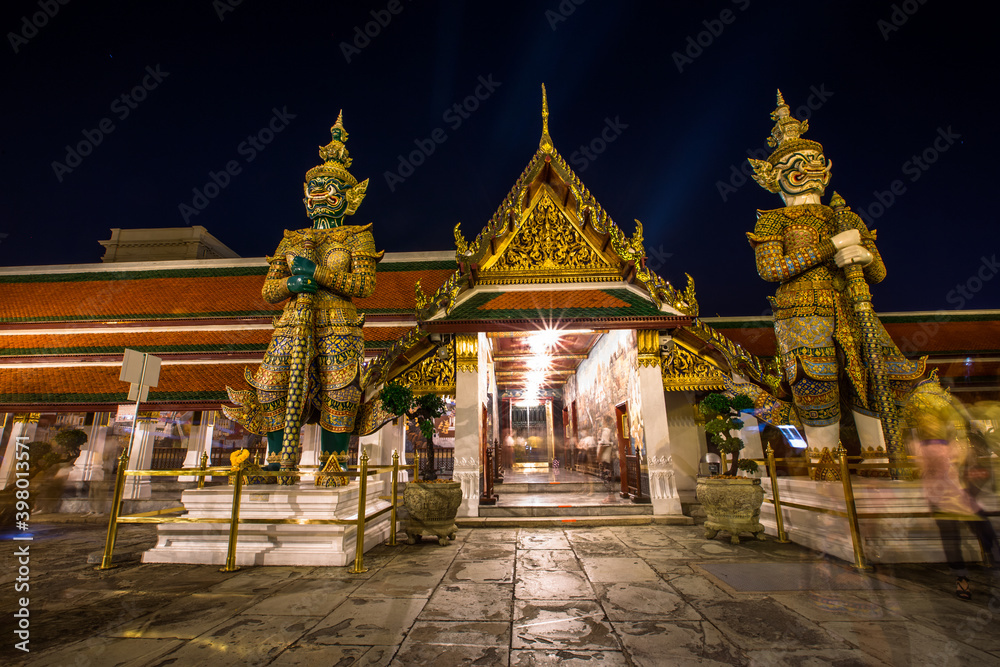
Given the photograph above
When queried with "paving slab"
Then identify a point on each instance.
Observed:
(243, 640)
(607, 570)
(567, 624)
(568, 658)
(309, 655)
(366, 621)
(658, 643)
(461, 602)
(480, 572)
(642, 601)
(552, 585)
(455, 643)
(542, 559)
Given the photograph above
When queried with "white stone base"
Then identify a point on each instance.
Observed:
(889, 540)
(272, 544)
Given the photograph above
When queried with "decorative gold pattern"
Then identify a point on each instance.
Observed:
(461, 247)
(466, 353)
(648, 342)
(420, 298)
(432, 375)
(546, 242)
(683, 370)
(27, 417)
(823, 468)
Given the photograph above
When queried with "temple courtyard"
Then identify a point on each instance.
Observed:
(550, 594)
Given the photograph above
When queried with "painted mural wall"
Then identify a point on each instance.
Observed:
(607, 378)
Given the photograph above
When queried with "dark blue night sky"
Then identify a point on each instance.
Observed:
(674, 94)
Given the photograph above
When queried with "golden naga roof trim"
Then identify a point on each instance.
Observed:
(762, 372)
(578, 204)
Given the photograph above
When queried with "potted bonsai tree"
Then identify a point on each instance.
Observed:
(432, 504)
(731, 503)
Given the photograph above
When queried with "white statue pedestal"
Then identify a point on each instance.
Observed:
(272, 543)
(894, 539)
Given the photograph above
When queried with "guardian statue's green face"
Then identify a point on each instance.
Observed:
(326, 201)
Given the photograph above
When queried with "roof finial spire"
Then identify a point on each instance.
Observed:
(545, 143)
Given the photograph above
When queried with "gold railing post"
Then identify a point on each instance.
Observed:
(116, 502)
(782, 535)
(392, 512)
(852, 510)
(204, 467)
(234, 525)
(359, 550)
(416, 465)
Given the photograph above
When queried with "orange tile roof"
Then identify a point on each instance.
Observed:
(112, 342)
(519, 300)
(100, 384)
(181, 293)
(162, 342)
(923, 335)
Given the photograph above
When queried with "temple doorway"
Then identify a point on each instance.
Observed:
(562, 429)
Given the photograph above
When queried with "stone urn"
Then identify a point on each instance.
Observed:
(432, 507)
(731, 504)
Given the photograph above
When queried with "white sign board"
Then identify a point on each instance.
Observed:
(133, 392)
(140, 368)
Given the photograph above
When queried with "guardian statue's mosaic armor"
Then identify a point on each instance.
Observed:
(822, 312)
(314, 360)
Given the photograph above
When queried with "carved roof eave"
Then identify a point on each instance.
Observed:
(597, 225)
(409, 350)
(731, 357)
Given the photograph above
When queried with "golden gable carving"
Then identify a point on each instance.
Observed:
(548, 244)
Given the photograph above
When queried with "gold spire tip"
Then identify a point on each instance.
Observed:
(545, 143)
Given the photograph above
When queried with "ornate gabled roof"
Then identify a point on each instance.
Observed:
(551, 229)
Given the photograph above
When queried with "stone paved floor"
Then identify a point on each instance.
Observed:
(626, 595)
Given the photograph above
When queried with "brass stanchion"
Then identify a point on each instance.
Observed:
(852, 510)
(116, 503)
(204, 467)
(392, 512)
(234, 525)
(359, 552)
(782, 535)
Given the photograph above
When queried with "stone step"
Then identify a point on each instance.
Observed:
(695, 511)
(550, 487)
(507, 510)
(570, 521)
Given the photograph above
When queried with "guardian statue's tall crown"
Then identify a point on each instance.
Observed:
(336, 158)
(786, 133)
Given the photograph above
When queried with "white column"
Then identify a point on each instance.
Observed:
(659, 445)
(310, 443)
(89, 466)
(24, 429)
(468, 413)
(200, 441)
(687, 438)
(140, 458)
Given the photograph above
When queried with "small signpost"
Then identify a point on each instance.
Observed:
(143, 371)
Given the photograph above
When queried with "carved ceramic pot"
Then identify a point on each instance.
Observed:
(432, 508)
(731, 504)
